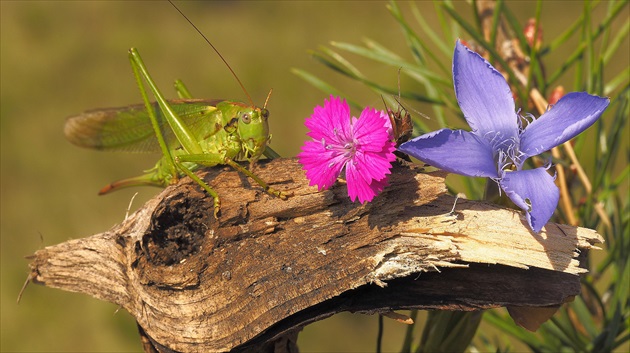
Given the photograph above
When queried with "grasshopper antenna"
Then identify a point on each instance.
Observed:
(215, 50)
(267, 100)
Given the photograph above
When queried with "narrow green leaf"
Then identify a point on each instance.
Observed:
(337, 65)
(338, 62)
(622, 285)
(565, 332)
(584, 317)
(379, 49)
(496, 20)
(621, 178)
(573, 58)
(591, 65)
(599, 75)
(449, 331)
(324, 86)
(477, 17)
(406, 347)
(533, 55)
(623, 78)
(564, 37)
(612, 328)
(613, 46)
(616, 133)
(599, 78)
(593, 294)
(506, 324)
(449, 29)
(566, 65)
(516, 27)
(424, 72)
(410, 36)
(621, 341)
(461, 331)
(438, 41)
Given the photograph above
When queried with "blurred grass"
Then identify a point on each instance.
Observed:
(60, 58)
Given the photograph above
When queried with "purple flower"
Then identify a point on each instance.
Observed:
(498, 145)
(364, 146)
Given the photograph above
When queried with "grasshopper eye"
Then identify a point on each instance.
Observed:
(264, 113)
(246, 118)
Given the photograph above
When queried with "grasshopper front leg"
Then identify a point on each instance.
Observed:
(210, 160)
(271, 191)
(138, 69)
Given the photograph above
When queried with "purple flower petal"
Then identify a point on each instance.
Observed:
(535, 192)
(484, 97)
(573, 113)
(455, 151)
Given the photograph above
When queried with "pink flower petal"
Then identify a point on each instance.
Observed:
(330, 122)
(378, 185)
(371, 130)
(357, 186)
(375, 166)
(322, 166)
(340, 113)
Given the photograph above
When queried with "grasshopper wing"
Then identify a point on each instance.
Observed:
(129, 128)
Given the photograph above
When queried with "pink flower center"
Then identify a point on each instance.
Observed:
(346, 146)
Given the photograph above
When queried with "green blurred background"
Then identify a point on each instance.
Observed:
(60, 58)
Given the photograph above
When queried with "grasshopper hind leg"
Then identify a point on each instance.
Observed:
(158, 176)
(184, 136)
(142, 180)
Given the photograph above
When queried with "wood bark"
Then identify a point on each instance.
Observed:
(251, 279)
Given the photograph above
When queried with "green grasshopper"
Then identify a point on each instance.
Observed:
(190, 133)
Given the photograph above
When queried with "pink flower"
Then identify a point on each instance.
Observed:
(364, 146)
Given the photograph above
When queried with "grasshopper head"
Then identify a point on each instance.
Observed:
(253, 130)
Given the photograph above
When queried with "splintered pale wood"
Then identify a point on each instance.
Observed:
(268, 266)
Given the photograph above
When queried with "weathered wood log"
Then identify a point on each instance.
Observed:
(267, 267)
